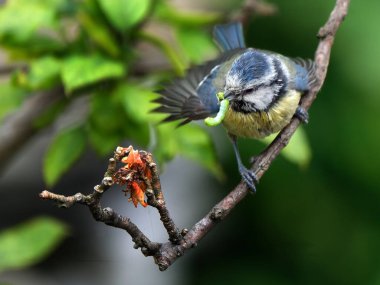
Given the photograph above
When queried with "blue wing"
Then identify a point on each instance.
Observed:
(207, 90)
(194, 96)
(305, 74)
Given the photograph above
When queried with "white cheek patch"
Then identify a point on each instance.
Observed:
(261, 98)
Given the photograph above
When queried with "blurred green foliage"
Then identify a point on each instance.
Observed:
(64, 150)
(91, 46)
(29, 242)
(11, 98)
(298, 150)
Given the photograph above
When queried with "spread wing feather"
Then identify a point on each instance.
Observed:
(181, 100)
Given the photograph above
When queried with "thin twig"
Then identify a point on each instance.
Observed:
(7, 69)
(140, 167)
(106, 215)
(156, 199)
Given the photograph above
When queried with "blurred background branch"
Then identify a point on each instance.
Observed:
(18, 128)
(252, 8)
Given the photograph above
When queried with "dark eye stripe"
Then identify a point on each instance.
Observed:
(279, 82)
(280, 79)
(250, 90)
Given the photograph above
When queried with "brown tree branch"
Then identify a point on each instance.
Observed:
(19, 127)
(7, 69)
(155, 197)
(106, 215)
(146, 173)
(251, 8)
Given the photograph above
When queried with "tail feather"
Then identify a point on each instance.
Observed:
(229, 36)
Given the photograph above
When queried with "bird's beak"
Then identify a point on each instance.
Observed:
(228, 95)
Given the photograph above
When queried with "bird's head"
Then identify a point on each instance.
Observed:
(253, 82)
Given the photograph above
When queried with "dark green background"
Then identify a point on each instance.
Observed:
(320, 225)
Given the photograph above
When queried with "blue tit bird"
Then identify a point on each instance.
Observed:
(263, 89)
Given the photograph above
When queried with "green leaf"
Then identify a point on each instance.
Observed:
(196, 144)
(21, 20)
(103, 143)
(190, 141)
(49, 114)
(190, 39)
(109, 124)
(44, 73)
(137, 102)
(65, 149)
(104, 126)
(166, 147)
(106, 113)
(30, 25)
(167, 49)
(54, 5)
(138, 133)
(11, 97)
(123, 14)
(169, 14)
(29, 242)
(79, 71)
(99, 33)
(298, 150)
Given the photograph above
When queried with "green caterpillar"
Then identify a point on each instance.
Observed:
(224, 104)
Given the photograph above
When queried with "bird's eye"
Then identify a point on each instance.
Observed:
(249, 90)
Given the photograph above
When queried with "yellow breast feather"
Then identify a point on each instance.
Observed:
(261, 124)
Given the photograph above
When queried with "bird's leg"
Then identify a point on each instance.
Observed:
(248, 176)
(302, 114)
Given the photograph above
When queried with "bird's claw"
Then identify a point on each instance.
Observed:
(249, 178)
(302, 114)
